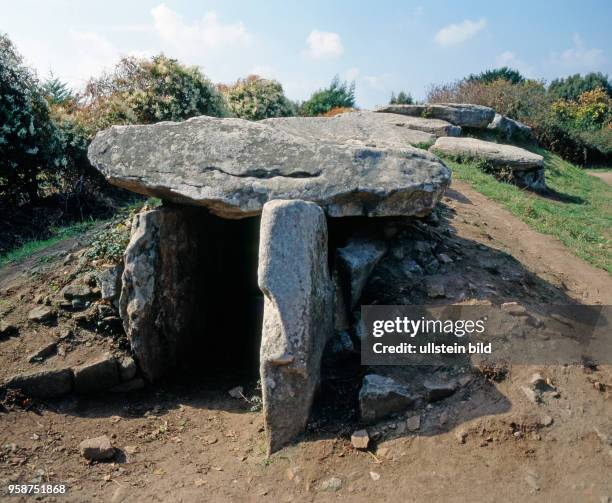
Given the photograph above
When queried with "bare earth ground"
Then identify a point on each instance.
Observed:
(606, 176)
(189, 441)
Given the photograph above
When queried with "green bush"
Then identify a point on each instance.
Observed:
(337, 95)
(30, 142)
(572, 87)
(145, 91)
(503, 73)
(255, 98)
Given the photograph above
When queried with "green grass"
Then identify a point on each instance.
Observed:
(578, 213)
(58, 234)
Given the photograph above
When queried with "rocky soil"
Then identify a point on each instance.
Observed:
(515, 433)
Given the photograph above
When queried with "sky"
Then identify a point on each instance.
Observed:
(382, 45)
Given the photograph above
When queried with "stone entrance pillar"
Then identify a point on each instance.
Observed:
(294, 276)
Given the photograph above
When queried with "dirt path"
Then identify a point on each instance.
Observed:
(606, 176)
(544, 255)
(188, 441)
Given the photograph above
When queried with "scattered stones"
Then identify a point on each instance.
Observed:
(444, 258)
(98, 375)
(43, 352)
(360, 439)
(331, 484)
(464, 115)
(531, 394)
(375, 476)
(41, 314)
(234, 166)
(43, 384)
(97, 449)
(79, 292)
(381, 396)
(461, 435)
(355, 264)
(298, 319)
(7, 329)
(514, 308)
(236, 392)
(127, 368)
(109, 282)
(437, 390)
(413, 423)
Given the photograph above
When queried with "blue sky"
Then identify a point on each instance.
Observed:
(383, 45)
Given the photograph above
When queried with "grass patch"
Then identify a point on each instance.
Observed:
(578, 212)
(58, 234)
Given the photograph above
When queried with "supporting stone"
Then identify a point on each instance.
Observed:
(158, 291)
(294, 277)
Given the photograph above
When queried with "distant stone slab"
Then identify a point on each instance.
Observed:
(459, 114)
(233, 167)
(367, 128)
(507, 155)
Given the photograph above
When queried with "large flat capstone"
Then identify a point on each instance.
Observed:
(459, 114)
(233, 167)
(294, 277)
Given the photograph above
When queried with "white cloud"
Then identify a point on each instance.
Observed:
(579, 56)
(93, 55)
(455, 34)
(198, 37)
(323, 45)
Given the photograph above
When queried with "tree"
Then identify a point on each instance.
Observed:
(572, 87)
(56, 92)
(145, 91)
(30, 142)
(401, 99)
(255, 98)
(337, 95)
(503, 73)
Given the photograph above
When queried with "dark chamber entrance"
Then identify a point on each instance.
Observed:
(224, 333)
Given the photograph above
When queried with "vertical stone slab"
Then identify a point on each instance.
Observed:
(294, 276)
(157, 287)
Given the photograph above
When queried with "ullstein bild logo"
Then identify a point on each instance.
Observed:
(465, 334)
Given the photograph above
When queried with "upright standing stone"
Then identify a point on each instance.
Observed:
(294, 277)
(158, 288)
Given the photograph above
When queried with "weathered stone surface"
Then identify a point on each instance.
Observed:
(355, 262)
(98, 375)
(7, 329)
(438, 390)
(380, 396)
(360, 439)
(41, 314)
(459, 114)
(157, 288)
(97, 449)
(234, 167)
(127, 368)
(78, 291)
(504, 155)
(43, 384)
(43, 352)
(293, 275)
(109, 281)
(129, 386)
(356, 128)
(510, 129)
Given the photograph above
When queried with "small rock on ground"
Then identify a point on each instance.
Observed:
(360, 439)
(97, 449)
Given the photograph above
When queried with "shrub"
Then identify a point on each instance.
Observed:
(255, 98)
(146, 91)
(337, 95)
(57, 92)
(30, 143)
(572, 87)
(402, 98)
(503, 73)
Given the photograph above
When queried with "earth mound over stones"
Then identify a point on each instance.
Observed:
(233, 167)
